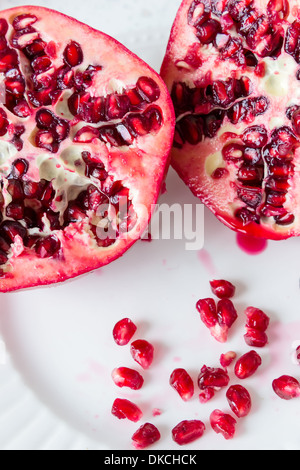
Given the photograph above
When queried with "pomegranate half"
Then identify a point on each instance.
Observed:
(86, 129)
(233, 70)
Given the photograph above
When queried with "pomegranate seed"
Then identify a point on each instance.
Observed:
(3, 27)
(47, 247)
(286, 387)
(73, 54)
(210, 377)
(182, 382)
(142, 352)
(15, 210)
(219, 173)
(125, 377)
(148, 89)
(145, 436)
(207, 31)
(227, 359)
(298, 354)
(11, 229)
(123, 409)
(19, 168)
(123, 331)
(226, 313)
(206, 395)
(239, 400)
(186, 432)
(256, 319)
(256, 338)
(222, 289)
(23, 21)
(255, 136)
(247, 365)
(223, 423)
(208, 311)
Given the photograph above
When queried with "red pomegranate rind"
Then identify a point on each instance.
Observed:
(239, 400)
(236, 143)
(145, 436)
(188, 431)
(223, 423)
(182, 382)
(125, 409)
(123, 331)
(93, 126)
(286, 387)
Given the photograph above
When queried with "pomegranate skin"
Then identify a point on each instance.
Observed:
(58, 88)
(229, 148)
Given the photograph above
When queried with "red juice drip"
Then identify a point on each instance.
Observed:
(251, 245)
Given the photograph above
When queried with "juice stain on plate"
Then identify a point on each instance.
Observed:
(251, 245)
(207, 261)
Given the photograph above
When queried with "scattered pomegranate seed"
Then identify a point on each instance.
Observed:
(145, 436)
(214, 378)
(247, 365)
(227, 359)
(298, 354)
(206, 395)
(142, 352)
(223, 423)
(286, 387)
(123, 409)
(222, 288)
(182, 382)
(256, 319)
(256, 338)
(186, 432)
(125, 377)
(208, 311)
(218, 318)
(123, 331)
(239, 400)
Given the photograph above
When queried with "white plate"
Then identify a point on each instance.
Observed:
(55, 378)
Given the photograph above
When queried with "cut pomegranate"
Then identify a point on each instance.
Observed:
(123, 409)
(142, 352)
(126, 377)
(223, 423)
(222, 289)
(237, 133)
(286, 387)
(123, 331)
(218, 318)
(186, 431)
(85, 147)
(145, 436)
(247, 365)
(182, 382)
(239, 400)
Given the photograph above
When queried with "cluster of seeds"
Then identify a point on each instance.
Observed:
(218, 318)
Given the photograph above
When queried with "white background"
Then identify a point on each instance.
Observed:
(56, 389)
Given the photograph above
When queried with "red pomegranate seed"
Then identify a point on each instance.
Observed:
(239, 400)
(208, 311)
(286, 387)
(19, 168)
(256, 319)
(73, 54)
(256, 338)
(148, 89)
(145, 436)
(226, 313)
(215, 378)
(123, 331)
(182, 382)
(24, 21)
(222, 288)
(227, 359)
(206, 395)
(247, 365)
(47, 247)
(123, 409)
(186, 431)
(223, 423)
(126, 377)
(298, 354)
(142, 352)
